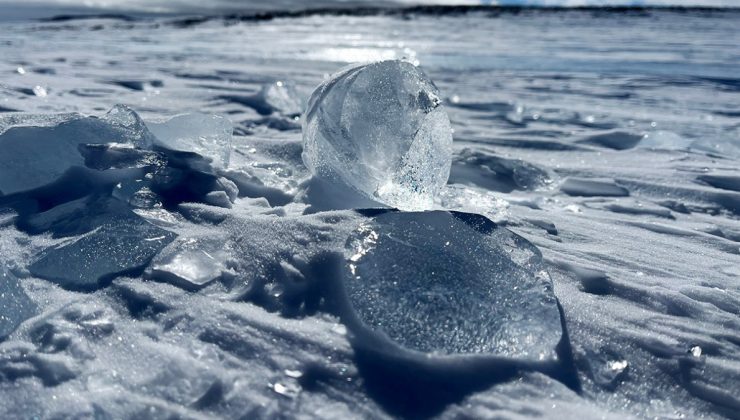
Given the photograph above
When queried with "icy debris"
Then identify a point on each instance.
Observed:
(452, 283)
(278, 99)
(695, 351)
(15, 305)
(218, 198)
(617, 140)
(496, 173)
(124, 243)
(592, 188)
(190, 263)
(381, 129)
(281, 97)
(35, 120)
(201, 213)
(35, 156)
(206, 135)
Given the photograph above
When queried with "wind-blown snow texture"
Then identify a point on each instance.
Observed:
(145, 280)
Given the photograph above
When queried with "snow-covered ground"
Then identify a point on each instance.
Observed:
(146, 281)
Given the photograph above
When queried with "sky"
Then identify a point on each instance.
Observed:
(22, 9)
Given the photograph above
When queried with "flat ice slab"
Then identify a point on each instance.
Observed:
(15, 305)
(451, 283)
(119, 245)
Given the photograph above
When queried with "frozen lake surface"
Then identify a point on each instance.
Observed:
(605, 146)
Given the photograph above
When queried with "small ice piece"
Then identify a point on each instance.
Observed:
(206, 135)
(695, 351)
(381, 129)
(15, 305)
(123, 244)
(218, 199)
(190, 263)
(35, 156)
(449, 283)
(281, 97)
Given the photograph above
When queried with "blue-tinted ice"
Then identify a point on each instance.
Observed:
(121, 244)
(449, 283)
(33, 156)
(15, 305)
(204, 134)
(381, 129)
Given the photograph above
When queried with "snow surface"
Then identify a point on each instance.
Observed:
(142, 280)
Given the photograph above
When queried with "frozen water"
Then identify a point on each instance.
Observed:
(33, 156)
(381, 129)
(124, 243)
(281, 97)
(15, 305)
(642, 278)
(190, 263)
(207, 135)
(450, 283)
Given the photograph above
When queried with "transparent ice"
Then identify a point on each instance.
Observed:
(449, 283)
(15, 305)
(33, 156)
(206, 135)
(122, 243)
(381, 129)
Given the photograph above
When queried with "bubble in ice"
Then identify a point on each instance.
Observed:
(381, 129)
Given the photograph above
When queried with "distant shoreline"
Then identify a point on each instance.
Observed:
(187, 19)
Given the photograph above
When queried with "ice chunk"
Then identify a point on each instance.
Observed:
(206, 135)
(190, 263)
(281, 97)
(15, 305)
(474, 167)
(124, 243)
(381, 129)
(273, 98)
(33, 156)
(452, 283)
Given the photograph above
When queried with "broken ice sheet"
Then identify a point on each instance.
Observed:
(206, 135)
(15, 305)
(190, 263)
(33, 156)
(123, 243)
(452, 283)
(381, 129)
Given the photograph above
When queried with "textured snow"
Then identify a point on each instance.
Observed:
(554, 113)
(381, 129)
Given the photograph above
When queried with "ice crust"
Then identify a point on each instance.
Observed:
(452, 283)
(381, 129)
(15, 305)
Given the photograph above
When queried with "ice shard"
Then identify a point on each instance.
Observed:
(15, 305)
